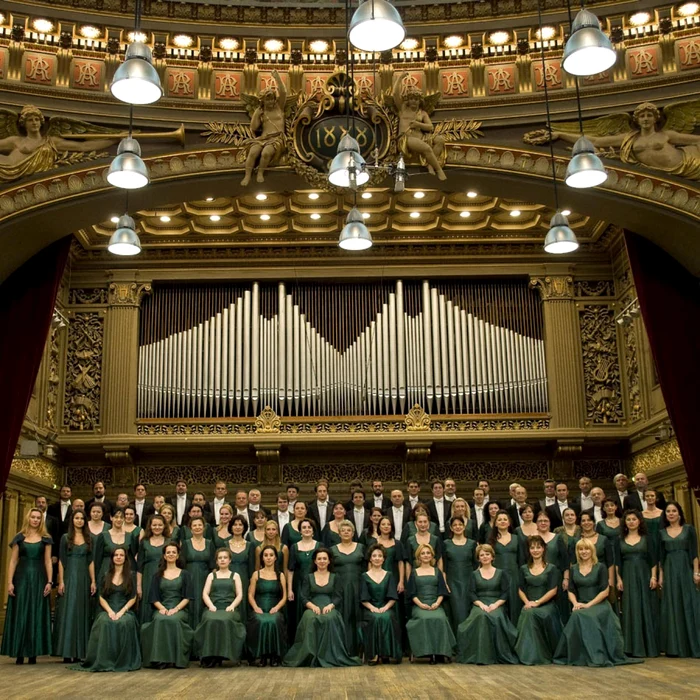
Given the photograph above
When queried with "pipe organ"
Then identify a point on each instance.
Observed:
(324, 349)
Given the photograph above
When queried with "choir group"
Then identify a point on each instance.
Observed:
(588, 581)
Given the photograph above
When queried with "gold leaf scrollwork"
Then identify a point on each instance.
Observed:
(40, 468)
(127, 293)
(268, 421)
(554, 288)
(417, 420)
(657, 456)
(527, 470)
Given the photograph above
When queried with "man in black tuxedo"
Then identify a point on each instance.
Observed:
(355, 484)
(583, 500)
(550, 494)
(320, 510)
(414, 497)
(62, 509)
(378, 499)
(520, 500)
(199, 499)
(282, 516)
(214, 506)
(597, 512)
(358, 515)
(98, 490)
(398, 513)
(556, 511)
(478, 508)
(636, 499)
(255, 503)
(439, 508)
(180, 501)
(142, 507)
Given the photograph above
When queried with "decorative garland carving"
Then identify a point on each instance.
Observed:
(92, 296)
(527, 470)
(554, 288)
(657, 456)
(417, 420)
(81, 404)
(168, 475)
(267, 422)
(40, 468)
(127, 293)
(601, 368)
(341, 473)
(195, 429)
(598, 469)
(600, 288)
(499, 424)
(77, 476)
(53, 377)
(634, 388)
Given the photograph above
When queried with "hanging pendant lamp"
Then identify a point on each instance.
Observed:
(585, 169)
(347, 168)
(128, 170)
(588, 50)
(125, 240)
(136, 81)
(376, 26)
(560, 238)
(355, 235)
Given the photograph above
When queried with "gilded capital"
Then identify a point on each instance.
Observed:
(127, 293)
(554, 288)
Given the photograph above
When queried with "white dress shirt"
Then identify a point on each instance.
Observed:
(65, 505)
(359, 518)
(283, 518)
(413, 501)
(479, 514)
(441, 512)
(563, 505)
(217, 508)
(290, 507)
(322, 513)
(586, 503)
(180, 503)
(598, 514)
(398, 520)
(450, 499)
(138, 507)
(378, 501)
(549, 501)
(245, 514)
(486, 499)
(622, 495)
(255, 507)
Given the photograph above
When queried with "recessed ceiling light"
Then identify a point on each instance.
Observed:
(314, 195)
(366, 195)
(215, 217)
(136, 36)
(319, 46)
(165, 219)
(499, 38)
(419, 194)
(639, 19)
(514, 212)
(453, 42)
(315, 217)
(409, 45)
(566, 212)
(115, 219)
(546, 33)
(415, 215)
(465, 214)
(688, 9)
(366, 215)
(209, 199)
(273, 45)
(183, 41)
(228, 44)
(43, 26)
(265, 217)
(2, 18)
(261, 197)
(88, 31)
(471, 194)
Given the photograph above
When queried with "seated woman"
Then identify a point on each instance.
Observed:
(429, 631)
(220, 635)
(114, 638)
(592, 636)
(487, 636)
(320, 636)
(166, 640)
(539, 624)
(267, 595)
(381, 630)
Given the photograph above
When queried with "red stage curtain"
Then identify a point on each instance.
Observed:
(27, 300)
(669, 298)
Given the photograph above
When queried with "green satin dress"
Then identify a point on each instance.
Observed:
(654, 535)
(508, 558)
(28, 618)
(320, 639)
(220, 634)
(349, 568)
(429, 631)
(680, 600)
(199, 564)
(221, 542)
(329, 538)
(186, 534)
(267, 634)
(410, 529)
(613, 534)
(539, 629)
(640, 605)
(167, 639)
(104, 547)
(592, 636)
(487, 638)
(242, 563)
(459, 568)
(381, 632)
(290, 536)
(114, 644)
(412, 544)
(147, 565)
(300, 563)
(71, 629)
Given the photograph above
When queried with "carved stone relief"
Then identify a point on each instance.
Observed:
(341, 473)
(88, 296)
(598, 469)
(496, 471)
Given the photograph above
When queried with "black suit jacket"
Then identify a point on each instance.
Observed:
(351, 517)
(472, 512)
(634, 501)
(386, 503)
(512, 510)
(53, 528)
(108, 508)
(148, 510)
(172, 500)
(54, 510)
(312, 510)
(389, 512)
(555, 519)
(433, 511)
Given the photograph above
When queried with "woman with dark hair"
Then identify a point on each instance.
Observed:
(411, 527)
(370, 535)
(422, 536)
(222, 534)
(381, 630)
(540, 625)
(678, 579)
(291, 534)
(267, 595)
(272, 539)
(492, 510)
(507, 556)
(28, 618)
(557, 553)
(429, 631)
(320, 637)
(256, 533)
(96, 525)
(166, 640)
(131, 527)
(242, 556)
(330, 535)
(611, 527)
(348, 563)
(114, 638)
(109, 540)
(300, 561)
(529, 527)
(653, 516)
(602, 545)
(570, 530)
(487, 636)
(195, 511)
(149, 556)
(220, 635)
(76, 583)
(460, 509)
(637, 583)
(197, 556)
(458, 558)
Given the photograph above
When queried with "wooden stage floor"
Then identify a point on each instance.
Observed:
(656, 678)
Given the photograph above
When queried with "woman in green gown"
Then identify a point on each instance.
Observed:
(539, 625)
(291, 534)
(300, 561)
(460, 509)
(394, 563)
(429, 631)
(348, 563)
(611, 527)
(109, 540)
(131, 527)
(272, 538)
(370, 535)
(487, 636)
(166, 640)
(256, 533)
(320, 637)
(527, 529)
(220, 635)
(28, 616)
(267, 595)
(172, 529)
(653, 515)
(96, 525)
(458, 559)
(508, 557)
(197, 557)
(412, 527)
(638, 582)
(592, 636)
(557, 554)
(422, 536)
(242, 557)
(330, 535)
(570, 530)
(222, 534)
(492, 510)
(381, 629)
(195, 511)
(603, 546)
(149, 556)
(678, 580)
(76, 583)
(114, 638)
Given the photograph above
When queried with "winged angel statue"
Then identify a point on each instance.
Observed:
(28, 151)
(660, 140)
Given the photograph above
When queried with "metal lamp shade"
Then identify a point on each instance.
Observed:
(585, 169)
(125, 240)
(128, 170)
(588, 51)
(560, 238)
(355, 235)
(136, 81)
(347, 158)
(376, 26)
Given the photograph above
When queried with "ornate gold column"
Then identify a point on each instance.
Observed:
(562, 350)
(120, 361)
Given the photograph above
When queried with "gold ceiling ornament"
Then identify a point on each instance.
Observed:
(656, 139)
(267, 422)
(417, 420)
(657, 456)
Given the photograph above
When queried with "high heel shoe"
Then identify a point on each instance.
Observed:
(32, 660)
(20, 660)
(274, 661)
(373, 662)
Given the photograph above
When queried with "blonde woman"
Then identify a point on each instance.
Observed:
(592, 636)
(272, 539)
(222, 534)
(173, 529)
(460, 509)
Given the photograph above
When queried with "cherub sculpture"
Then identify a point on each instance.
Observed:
(268, 113)
(416, 137)
(35, 152)
(656, 140)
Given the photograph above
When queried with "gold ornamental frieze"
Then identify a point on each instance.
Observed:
(657, 456)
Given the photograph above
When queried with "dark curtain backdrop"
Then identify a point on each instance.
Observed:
(27, 300)
(669, 298)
